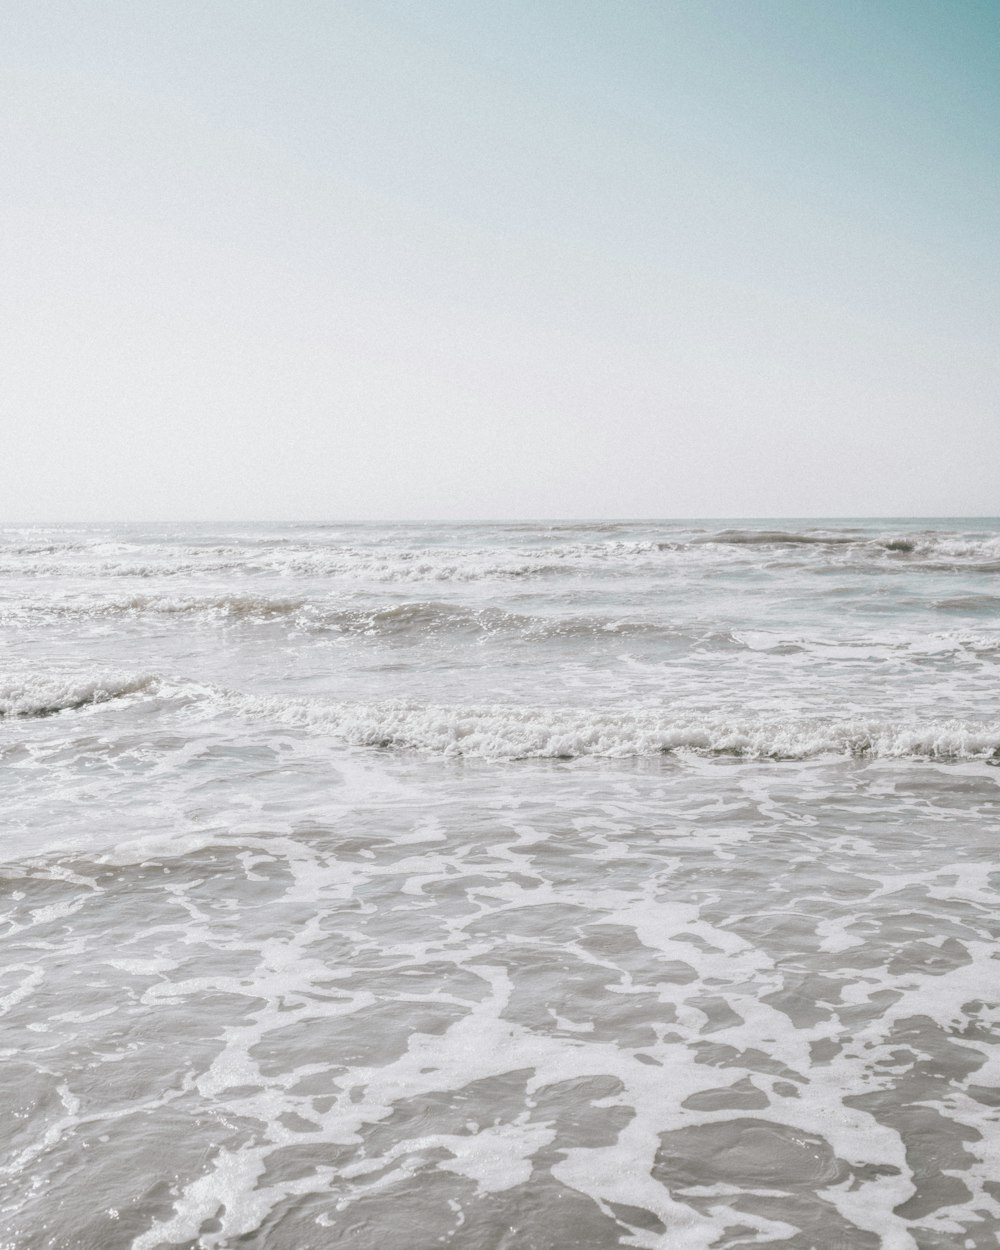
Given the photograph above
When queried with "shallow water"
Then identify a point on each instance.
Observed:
(500, 886)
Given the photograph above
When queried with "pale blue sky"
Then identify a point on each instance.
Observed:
(454, 259)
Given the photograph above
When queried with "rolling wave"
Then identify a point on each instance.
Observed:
(509, 732)
(775, 538)
(48, 695)
(415, 619)
(515, 733)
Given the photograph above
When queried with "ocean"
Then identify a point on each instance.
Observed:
(514, 886)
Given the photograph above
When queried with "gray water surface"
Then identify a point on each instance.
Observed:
(527, 886)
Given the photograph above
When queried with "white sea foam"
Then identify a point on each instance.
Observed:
(509, 732)
(514, 731)
(310, 914)
(45, 695)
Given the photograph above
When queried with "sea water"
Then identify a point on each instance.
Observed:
(523, 886)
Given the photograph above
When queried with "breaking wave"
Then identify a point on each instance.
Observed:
(511, 732)
(495, 732)
(45, 696)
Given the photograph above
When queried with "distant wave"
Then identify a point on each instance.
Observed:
(47, 695)
(375, 563)
(503, 732)
(954, 546)
(775, 538)
(379, 562)
(41, 549)
(860, 552)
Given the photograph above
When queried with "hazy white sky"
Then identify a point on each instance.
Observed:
(315, 259)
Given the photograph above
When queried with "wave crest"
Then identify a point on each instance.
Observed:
(45, 696)
(494, 732)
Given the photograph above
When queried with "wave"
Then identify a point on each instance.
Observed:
(42, 549)
(45, 696)
(416, 619)
(925, 546)
(969, 603)
(834, 549)
(245, 607)
(420, 621)
(888, 645)
(505, 732)
(375, 562)
(459, 564)
(775, 538)
(210, 607)
(514, 733)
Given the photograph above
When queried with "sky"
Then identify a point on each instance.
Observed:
(442, 259)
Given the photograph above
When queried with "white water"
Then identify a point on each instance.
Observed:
(525, 886)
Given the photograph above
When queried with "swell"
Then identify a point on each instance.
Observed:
(413, 622)
(415, 619)
(985, 603)
(775, 538)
